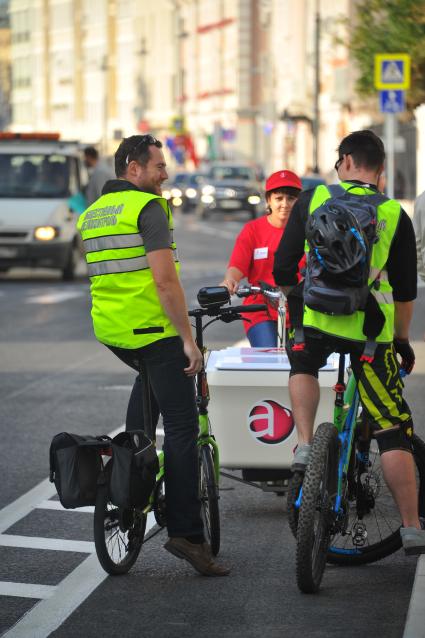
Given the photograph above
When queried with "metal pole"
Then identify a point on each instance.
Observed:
(104, 69)
(316, 116)
(389, 147)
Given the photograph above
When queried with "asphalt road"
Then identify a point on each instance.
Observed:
(54, 377)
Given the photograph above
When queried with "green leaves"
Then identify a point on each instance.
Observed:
(389, 26)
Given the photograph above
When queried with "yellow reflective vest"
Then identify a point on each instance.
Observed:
(351, 326)
(126, 309)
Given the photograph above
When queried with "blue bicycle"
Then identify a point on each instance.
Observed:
(341, 510)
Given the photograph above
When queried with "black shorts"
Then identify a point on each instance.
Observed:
(380, 385)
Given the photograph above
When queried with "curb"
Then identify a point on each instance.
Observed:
(415, 622)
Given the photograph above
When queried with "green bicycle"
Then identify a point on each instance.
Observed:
(120, 533)
(342, 511)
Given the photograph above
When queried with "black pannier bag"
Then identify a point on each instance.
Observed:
(75, 465)
(134, 469)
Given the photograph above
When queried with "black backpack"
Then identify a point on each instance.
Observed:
(75, 465)
(133, 469)
(341, 233)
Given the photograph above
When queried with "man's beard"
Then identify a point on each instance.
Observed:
(151, 190)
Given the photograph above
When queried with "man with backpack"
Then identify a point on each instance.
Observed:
(357, 298)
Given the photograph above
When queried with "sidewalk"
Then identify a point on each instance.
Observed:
(415, 623)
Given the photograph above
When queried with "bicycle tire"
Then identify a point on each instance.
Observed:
(118, 534)
(294, 487)
(342, 550)
(315, 520)
(209, 495)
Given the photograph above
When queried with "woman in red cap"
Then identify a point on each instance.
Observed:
(253, 254)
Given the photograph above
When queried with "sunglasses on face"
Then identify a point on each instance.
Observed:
(145, 140)
(339, 161)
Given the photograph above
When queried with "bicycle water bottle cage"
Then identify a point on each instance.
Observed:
(213, 296)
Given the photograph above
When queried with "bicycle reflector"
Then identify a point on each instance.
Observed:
(213, 296)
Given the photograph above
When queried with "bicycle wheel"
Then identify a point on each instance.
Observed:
(315, 515)
(208, 492)
(377, 533)
(294, 487)
(118, 534)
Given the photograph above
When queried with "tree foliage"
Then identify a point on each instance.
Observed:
(389, 26)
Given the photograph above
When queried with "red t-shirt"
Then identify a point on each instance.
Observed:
(253, 254)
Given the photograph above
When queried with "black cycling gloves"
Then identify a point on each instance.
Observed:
(405, 350)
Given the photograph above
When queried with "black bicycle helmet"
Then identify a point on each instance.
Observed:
(336, 238)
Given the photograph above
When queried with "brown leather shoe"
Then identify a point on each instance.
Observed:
(198, 555)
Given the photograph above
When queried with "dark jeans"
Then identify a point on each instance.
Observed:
(173, 395)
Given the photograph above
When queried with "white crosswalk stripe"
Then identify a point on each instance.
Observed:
(55, 296)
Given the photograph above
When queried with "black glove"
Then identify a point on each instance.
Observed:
(405, 350)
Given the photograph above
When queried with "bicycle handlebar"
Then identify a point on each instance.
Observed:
(268, 291)
(221, 311)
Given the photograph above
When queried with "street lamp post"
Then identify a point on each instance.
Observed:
(316, 112)
(104, 69)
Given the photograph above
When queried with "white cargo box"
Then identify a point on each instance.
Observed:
(250, 410)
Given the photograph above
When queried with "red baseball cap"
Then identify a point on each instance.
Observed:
(282, 179)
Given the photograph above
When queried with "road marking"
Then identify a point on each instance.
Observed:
(57, 505)
(42, 380)
(127, 388)
(55, 297)
(25, 590)
(55, 544)
(415, 623)
(213, 230)
(56, 602)
(72, 591)
(20, 508)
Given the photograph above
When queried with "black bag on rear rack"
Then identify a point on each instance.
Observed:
(134, 469)
(75, 465)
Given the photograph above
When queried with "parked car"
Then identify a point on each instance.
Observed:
(42, 181)
(183, 190)
(311, 181)
(229, 188)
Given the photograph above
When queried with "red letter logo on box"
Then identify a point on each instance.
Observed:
(270, 422)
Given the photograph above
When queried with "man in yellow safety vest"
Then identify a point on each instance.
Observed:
(392, 282)
(139, 312)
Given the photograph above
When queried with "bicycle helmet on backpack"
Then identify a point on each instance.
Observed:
(336, 238)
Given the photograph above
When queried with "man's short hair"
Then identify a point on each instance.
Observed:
(91, 151)
(135, 147)
(366, 149)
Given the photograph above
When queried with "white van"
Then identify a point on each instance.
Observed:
(42, 180)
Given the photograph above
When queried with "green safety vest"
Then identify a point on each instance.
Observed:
(126, 309)
(351, 326)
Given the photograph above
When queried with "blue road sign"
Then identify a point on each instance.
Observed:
(392, 71)
(391, 101)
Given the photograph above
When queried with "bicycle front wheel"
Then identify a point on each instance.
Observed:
(377, 533)
(316, 512)
(209, 495)
(294, 488)
(118, 534)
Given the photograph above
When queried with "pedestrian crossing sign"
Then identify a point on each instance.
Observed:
(392, 71)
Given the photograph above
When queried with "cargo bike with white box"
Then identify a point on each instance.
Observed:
(250, 407)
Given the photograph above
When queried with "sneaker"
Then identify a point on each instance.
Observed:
(413, 540)
(301, 457)
(198, 555)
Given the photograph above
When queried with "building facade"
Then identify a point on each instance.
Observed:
(269, 81)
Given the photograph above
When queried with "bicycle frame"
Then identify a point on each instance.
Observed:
(345, 413)
(202, 399)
